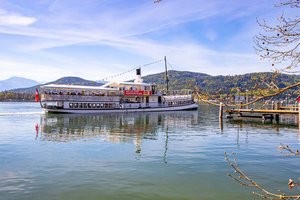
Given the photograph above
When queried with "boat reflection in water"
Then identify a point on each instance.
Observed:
(126, 127)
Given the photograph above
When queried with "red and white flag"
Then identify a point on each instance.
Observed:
(37, 95)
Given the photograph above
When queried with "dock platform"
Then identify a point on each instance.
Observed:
(260, 113)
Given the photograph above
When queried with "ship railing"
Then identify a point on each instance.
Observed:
(178, 97)
(178, 92)
(51, 97)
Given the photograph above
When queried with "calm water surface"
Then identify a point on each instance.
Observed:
(171, 155)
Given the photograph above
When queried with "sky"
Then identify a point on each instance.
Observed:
(99, 39)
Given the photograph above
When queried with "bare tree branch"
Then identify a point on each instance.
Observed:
(239, 176)
(280, 43)
(287, 148)
(271, 93)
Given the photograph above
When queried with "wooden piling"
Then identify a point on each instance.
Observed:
(221, 111)
(221, 116)
(277, 118)
(277, 105)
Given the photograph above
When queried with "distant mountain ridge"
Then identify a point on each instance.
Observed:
(222, 84)
(69, 80)
(17, 82)
(187, 80)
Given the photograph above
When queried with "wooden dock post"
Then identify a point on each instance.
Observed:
(277, 105)
(221, 116)
(277, 118)
(221, 125)
(221, 111)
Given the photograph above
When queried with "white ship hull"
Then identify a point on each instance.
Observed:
(114, 97)
(193, 106)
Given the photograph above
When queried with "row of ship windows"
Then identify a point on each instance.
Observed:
(175, 103)
(92, 105)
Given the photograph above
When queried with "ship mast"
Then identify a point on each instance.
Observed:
(166, 75)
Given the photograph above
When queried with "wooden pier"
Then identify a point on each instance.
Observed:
(258, 113)
(264, 114)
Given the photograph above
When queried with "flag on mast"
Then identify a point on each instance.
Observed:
(37, 95)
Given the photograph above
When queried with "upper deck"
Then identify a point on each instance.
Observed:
(54, 92)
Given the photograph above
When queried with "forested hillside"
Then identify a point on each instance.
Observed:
(223, 84)
(179, 80)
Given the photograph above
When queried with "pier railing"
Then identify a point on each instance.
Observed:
(272, 111)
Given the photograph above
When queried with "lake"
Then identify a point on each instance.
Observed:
(170, 155)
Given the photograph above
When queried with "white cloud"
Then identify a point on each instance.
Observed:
(66, 26)
(127, 30)
(194, 57)
(15, 19)
(28, 69)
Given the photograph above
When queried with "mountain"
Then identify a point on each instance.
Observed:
(16, 82)
(101, 82)
(219, 84)
(179, 80)
(70, 80)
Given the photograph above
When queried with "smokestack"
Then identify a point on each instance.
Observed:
(138, 71)
(138, 76)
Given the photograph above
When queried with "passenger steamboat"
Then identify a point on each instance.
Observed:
(127, 96)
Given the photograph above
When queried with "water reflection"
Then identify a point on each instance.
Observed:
(127, 127)
(258, 127)
(257, 123)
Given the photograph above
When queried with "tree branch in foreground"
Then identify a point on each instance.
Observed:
(291, 151)
(205, 98)
(239, 176)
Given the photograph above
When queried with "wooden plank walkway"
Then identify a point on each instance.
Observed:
(259, 111)
(265, 114)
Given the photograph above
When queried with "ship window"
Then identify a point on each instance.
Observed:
(105, 105)
(94, 105)
(98, 105)
(89, 105)
(85, 105)
(101, 105)
(75, 105)
(71, 105)
(81, 105)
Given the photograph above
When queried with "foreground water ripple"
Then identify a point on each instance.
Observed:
(171, 155)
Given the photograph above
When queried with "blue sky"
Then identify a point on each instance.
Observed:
(93, 39)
